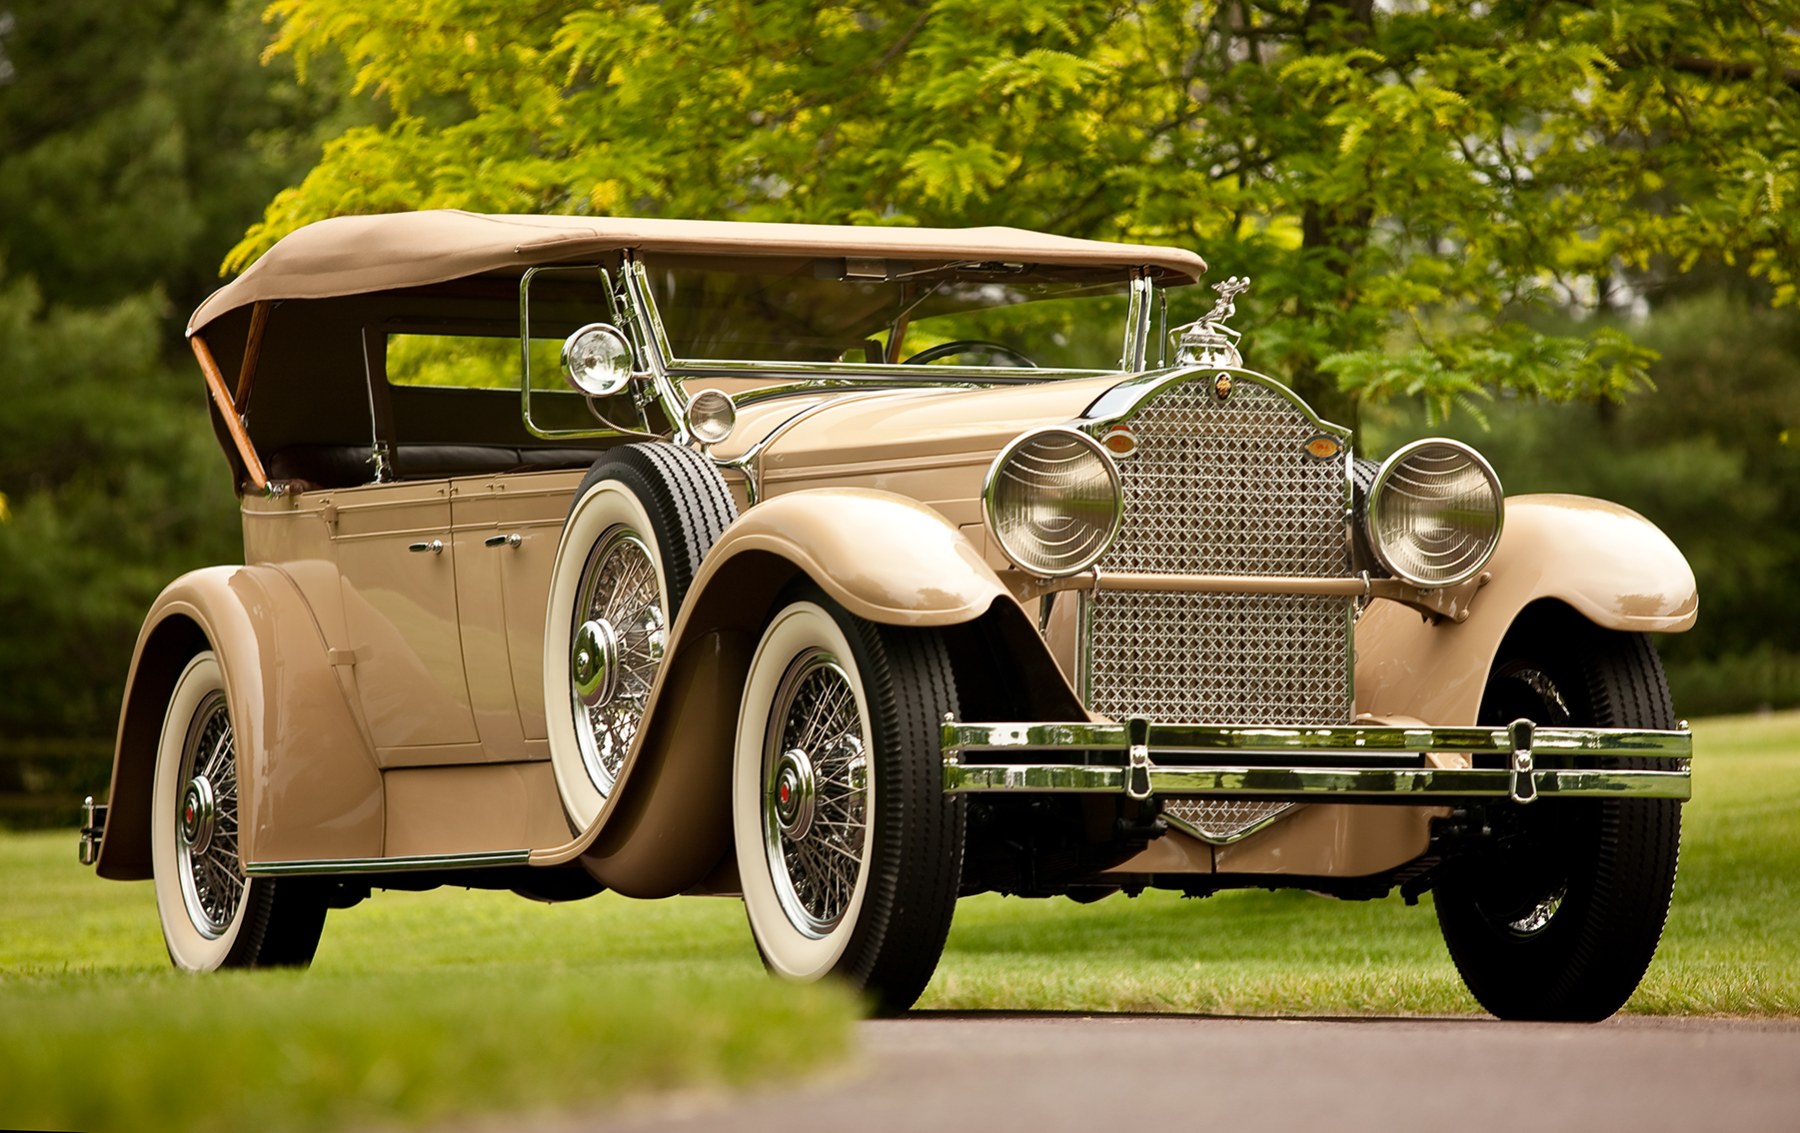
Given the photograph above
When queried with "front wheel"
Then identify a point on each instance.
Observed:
(1558, 917)
(212, 915)
(848, 850)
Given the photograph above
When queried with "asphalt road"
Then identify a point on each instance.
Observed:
(1135, 1074)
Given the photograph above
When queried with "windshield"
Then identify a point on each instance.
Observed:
(885, 311)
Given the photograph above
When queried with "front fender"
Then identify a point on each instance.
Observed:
(308, 785)
(1607, 562)
(883, 557)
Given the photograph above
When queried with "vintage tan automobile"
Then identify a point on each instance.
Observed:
(852, 570)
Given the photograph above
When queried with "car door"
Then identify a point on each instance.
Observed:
(507, 529)
(398, 563)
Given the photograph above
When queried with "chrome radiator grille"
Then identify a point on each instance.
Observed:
(1224, 488)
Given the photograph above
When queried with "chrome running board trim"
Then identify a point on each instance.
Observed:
(486, 859)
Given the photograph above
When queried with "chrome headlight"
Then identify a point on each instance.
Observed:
(711, 415)
(1053, 501)
(597, 360)
(1434, 512)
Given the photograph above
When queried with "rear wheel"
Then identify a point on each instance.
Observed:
(212, 915)
(848, 850)
(1558, 916)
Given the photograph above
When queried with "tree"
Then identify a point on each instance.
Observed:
(136, 142)
(1407, 182)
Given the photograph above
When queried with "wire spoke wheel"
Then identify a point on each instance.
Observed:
(816, 793)
(849, 853)
(212, 915)
(642, 521)
(212, 880)
(620, 596)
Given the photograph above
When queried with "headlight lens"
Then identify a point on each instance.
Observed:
(711, 415)
(1053, 501)
(1434, 512)
(597, 360)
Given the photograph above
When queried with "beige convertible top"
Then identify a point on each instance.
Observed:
(351, 255)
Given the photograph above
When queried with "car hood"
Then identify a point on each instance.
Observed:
(941, 424)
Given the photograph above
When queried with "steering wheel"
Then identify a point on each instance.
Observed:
(969, 346)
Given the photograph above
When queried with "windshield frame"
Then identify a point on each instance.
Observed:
(634, 307)
(666, 368)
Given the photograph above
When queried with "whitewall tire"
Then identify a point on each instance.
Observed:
(212, 915)
(848, 851)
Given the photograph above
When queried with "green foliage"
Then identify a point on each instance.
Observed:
(137, 139)
(115, 485)
(136, 142)
(1400, 179)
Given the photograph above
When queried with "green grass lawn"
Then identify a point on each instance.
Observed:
(418, 1006)
(454, 1002)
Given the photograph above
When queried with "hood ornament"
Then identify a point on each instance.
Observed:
(1207, 341)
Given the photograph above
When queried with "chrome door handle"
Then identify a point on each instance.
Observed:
(435, 547)
(502, 541)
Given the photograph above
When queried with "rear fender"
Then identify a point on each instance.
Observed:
(307, 779)
(1606, 562)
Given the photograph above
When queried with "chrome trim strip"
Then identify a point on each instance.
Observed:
(486, 859)
(878, 372)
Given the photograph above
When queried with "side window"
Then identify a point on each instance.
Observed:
(454, 361)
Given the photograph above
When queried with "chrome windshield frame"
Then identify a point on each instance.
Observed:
(669, 375)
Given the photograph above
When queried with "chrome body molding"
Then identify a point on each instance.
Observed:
(486, 859)
(1344, 763)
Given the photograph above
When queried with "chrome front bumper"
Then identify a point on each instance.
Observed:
(1352, 763)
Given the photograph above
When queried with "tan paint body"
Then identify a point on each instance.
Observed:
(382, 652)
(418, 678)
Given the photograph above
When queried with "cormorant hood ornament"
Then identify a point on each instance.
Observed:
(1207, 341)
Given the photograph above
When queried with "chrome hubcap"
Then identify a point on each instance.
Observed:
(595, 665)
(816, 796)
(199, 811)
(795, 795)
